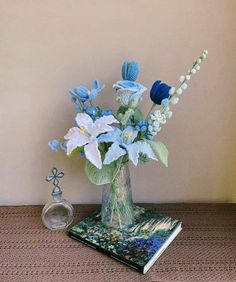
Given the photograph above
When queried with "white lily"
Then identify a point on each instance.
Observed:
(86, 134)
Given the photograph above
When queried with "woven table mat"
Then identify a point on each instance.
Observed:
(205, 250)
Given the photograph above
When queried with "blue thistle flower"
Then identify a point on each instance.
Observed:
(130, 70)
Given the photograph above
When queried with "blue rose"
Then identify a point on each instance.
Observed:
(159, 92)
(129, 93)
(130, 70)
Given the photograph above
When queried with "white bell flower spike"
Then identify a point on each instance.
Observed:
(86, 135)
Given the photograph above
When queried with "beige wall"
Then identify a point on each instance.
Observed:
(48, 46)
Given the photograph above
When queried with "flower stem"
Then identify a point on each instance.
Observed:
(152, 108)
(118, 169)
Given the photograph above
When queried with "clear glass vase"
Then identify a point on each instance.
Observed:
(117, 204)
(58, 213)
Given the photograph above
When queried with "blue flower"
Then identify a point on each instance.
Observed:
(149, 136)
(122, 143)
(151, 244)
(129, 93)
(130, 70)
(159, 92)
(165, 102)
(83, 94)
(141, 125)
(54, 145)
(63, 146)
(82, 154)
(92, 111)
(106, 112)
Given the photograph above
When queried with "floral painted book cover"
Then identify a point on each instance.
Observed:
(138, 246)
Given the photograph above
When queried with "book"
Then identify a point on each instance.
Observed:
(138, 246)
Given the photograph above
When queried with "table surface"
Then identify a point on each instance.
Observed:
(205, 250)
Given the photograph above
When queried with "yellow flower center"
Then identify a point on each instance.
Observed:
(83, 131)
(127, 135)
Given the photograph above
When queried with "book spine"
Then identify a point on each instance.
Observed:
(110, 254)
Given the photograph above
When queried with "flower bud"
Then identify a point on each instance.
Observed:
(172, 90)
(130, 70)
(179, 91)
(150, 128)
(184, 86)
(174, 100)
(159, 91)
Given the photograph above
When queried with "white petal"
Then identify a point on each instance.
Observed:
(84, 120)
(70, 146)
(75, 134)
(76, 139)
(101, 125)
(99, 128)
(93, 154)
(107, 119)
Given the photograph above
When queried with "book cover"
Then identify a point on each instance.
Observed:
(138, 246)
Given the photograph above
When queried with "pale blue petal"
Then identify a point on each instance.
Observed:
(93, 94)
(123, 96)
(54, 144)
(130, 70)
(80, 92)
(139, 147)
(63, 146)
(129, 131)
(97, 86)
(111, 136)
(95, 90)
(131, 85)
(114, 152)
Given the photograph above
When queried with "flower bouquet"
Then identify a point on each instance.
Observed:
(109, 140)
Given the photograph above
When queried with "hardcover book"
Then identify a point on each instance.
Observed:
(138, 246)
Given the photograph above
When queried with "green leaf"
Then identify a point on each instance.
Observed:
(76, 151)
(138, 115)
(160, 151)
(122, 110)
(101, 176)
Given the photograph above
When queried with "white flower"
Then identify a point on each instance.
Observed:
(184, 86)
(179, 91)
(172, 90)
(174, 100)
(86, 134)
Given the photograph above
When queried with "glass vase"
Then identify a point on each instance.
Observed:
(117, 204)
(58, 213)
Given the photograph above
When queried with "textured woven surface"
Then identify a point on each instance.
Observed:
(205, 250)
